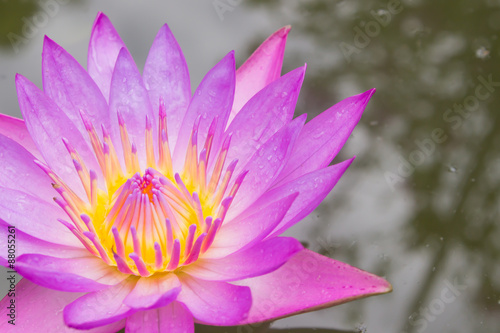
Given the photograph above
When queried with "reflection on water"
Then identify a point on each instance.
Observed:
(420, 205)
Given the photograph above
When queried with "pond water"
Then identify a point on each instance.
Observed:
(420, 204)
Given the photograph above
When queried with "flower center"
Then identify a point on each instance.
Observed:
(151, 222)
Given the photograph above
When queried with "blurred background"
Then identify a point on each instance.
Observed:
(420, 204)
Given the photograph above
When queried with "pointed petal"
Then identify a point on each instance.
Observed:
(19, 171)
(322, 138)
(213, 98)
(69, 85)
(35, 217)
(214, 303)
(41, 310)
(262, 68)
(265, 165)
(166, 75)
(104, 46)
(312, 187)
(317, 281)
(154, 292)
(260, 259)
(81, 274)
(250, 227)
(129, 97)
(100, 308)
(48, 125)
(173, 318)
(15, 129)
(264, 114)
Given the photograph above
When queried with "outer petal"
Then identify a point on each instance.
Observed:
(312, 187)
(166, 75)
(15, 129)
(34, 245)
(81, 274)
(69, 85)
(129, 97)
(213, 98)
(250, 227)
(262, 68)
(48, 125)
(154, 292)
(322, 138)
(100, 308)
(307, 282)
(214, 303)
(40, 310)
(173, 318)
(104, 46)
(264, 114)
(260, 259)
(19, 171)
(265, 165)
(35, 217)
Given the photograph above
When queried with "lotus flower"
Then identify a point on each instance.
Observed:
(137, 204)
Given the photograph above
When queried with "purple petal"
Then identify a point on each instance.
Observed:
(173, 318)
(166, 75)
(35, 217)
(48, 125)
(81, 274)
(129, 97)
(262, 68)
(307, 282)
(18, 171)
(312, 187)
(104, 46)
(250, 227)
(15, 129)
(41, 310)
(214, 303)
(213, 98)
(265, 165)
(322, 138)
(264, 114)
(69, 85)
(154, 292)
(100, 308)
(260, 259)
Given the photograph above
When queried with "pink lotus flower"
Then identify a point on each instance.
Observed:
(139, 205)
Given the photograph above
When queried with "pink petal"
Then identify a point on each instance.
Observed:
(307, 282)
(250, 227)
(18, 171)
(166, 75)
(104, 46)
(100, 308)
(262, 68)
(173, 318)
(312, 187)
(69, 85)
(81, 274)
(129, 97)
(260, 259)
(35, 217)
(264, 114)
(322, 138)
(41, 310)
(265, 166)
(15, 129)
(214, 303)
(213, 98)
(35, 245)
(154, 292)
(48, 125)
